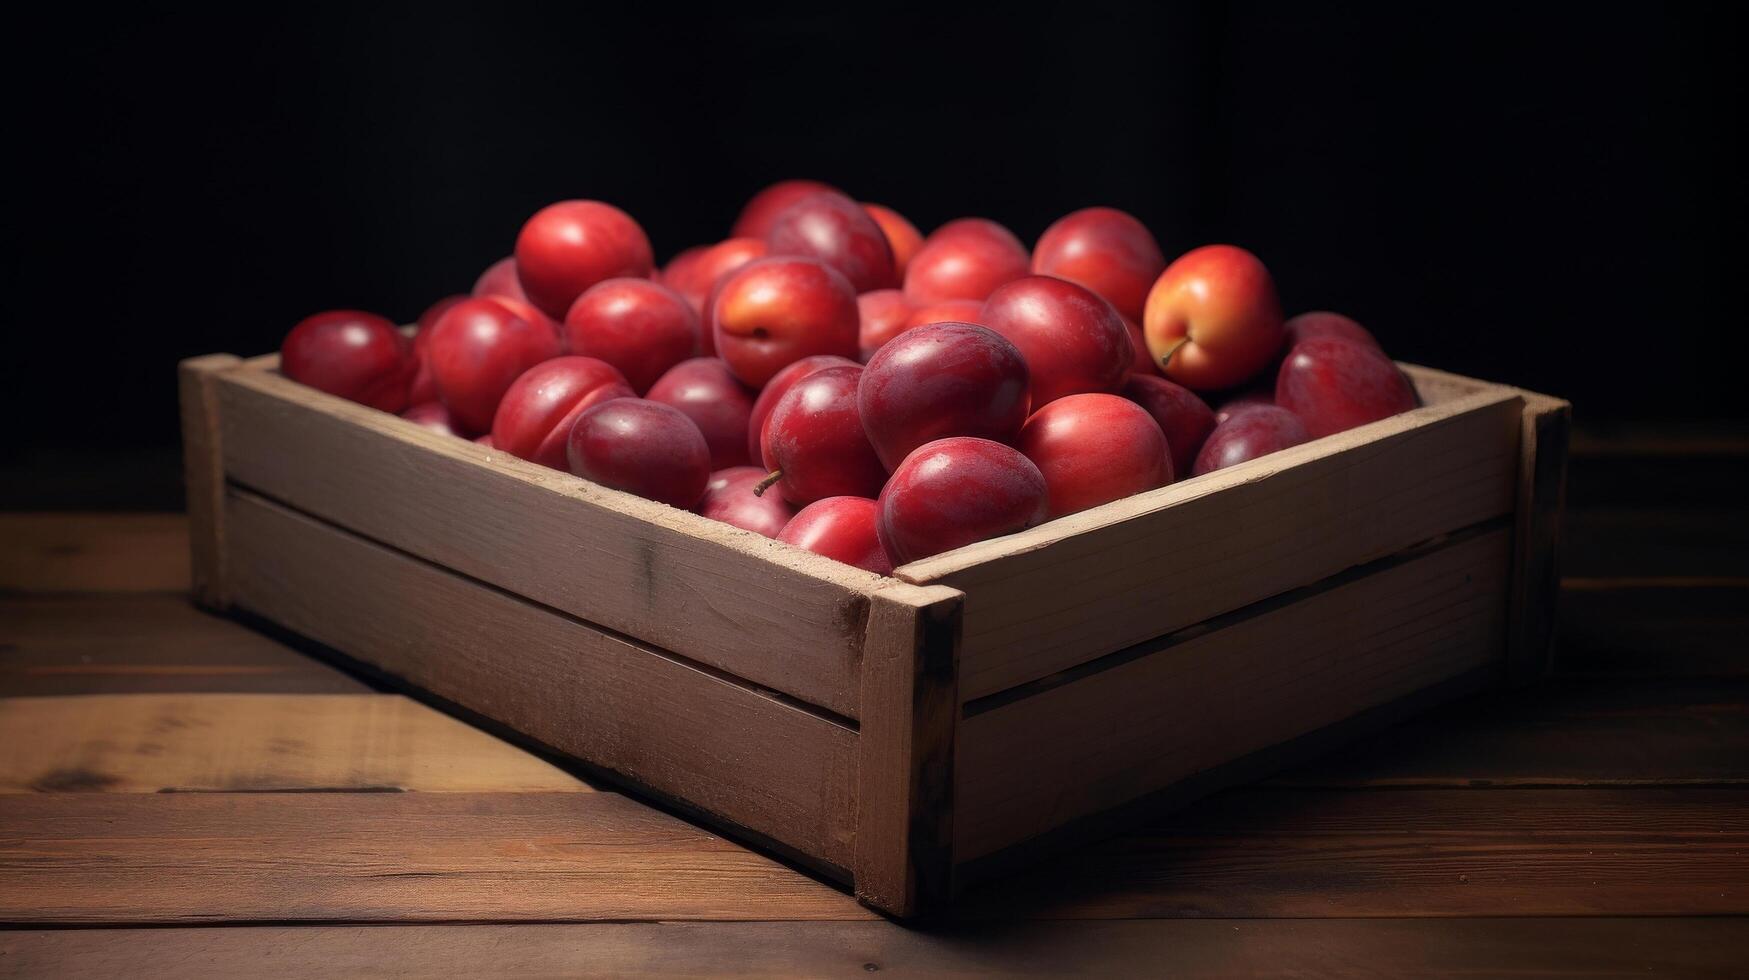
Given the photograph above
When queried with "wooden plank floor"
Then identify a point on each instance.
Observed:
(163, 772)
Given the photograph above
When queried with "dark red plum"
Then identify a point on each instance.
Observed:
(1093, 449)
(1185, 419)
(954, 492)
(1248, 434)
(1073, 341)
(940, 380)
(815, 440)
(641, 447)
(729, 498)
(843, 529)
(839, 232)
(1334, 384)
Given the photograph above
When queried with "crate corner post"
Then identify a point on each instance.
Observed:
(204, 474)
(1536, 573)
(906, 746)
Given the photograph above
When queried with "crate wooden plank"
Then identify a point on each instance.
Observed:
(203, 472)
(74, 553)
(127, 643)
(1406, 852)
(1536, 572)
(744, 756)
(258, 743)
(1386, 948)
(905, 749)
(1096, 582)
(1228, 690)
(88, 858)
(773, 614)
(1566, 732)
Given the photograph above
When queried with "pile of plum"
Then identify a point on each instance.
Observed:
(830, 377)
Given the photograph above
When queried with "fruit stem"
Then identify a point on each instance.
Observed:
(765, 484)
(1166, 358)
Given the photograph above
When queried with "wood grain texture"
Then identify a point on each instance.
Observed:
(1384, 948)
(905, 749)
(1575, 732)
(1227, 690)
(776, 615)
(78, 553)
(1536, 567)
(204, 473)
(1407, 852)
(741, 755)
(149, 644)
(381, 857)
(1092, 583)
(258, 743)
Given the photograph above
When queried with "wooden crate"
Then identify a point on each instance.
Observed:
(908, 734)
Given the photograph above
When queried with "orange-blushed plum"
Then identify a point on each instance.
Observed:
(729, 498)
(640, 327)
(947, 311)
(567, 247)
(1334, 384)
(705, 391)
(956, 491)
(836, 230)
(843, 529)
(479, 348)
(940, 380)
(536, 413)
(901, 234)
(1093, 449)
(1212, 319)
(1073, 340)
(358, 356)
(775, 311)
(764, 207)
(1106, 250)
(641, 447)
(967, 258)
(814, 444)
(885, 313)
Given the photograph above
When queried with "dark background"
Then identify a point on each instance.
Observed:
(1547, 197)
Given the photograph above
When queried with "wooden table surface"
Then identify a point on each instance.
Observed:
(164, 773)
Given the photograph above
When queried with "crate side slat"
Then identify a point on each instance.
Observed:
(748, 758)
(774, 615)
(905, 749)
(1118, 735)
(1542, 491)
(1096, 582)
(203, 473)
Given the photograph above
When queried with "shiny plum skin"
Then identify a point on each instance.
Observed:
(940, 380)
(433, 416)
(839, 232)
(499, 279)
(843, 529)
(1212, 319)
(1073, 341)
(641, 447)
(957, 491)
(947, 311)
(815, 437)
(902, 236)
(424, 386)
(1105, 250)
(640, 327)
(1334, 384)
(1184, 419)
(965, 259)
(572, 245)
(763, 208)
(538, 409)
(885, 313)
(1141, 363)
(706, 392)
(1093, 449)
(1325, 324)
(1248, 434)
(695, 279)
(729, 498)
(775, 311)
(358, 356)
(775, 390)
(478, 348)
(1242, 401)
